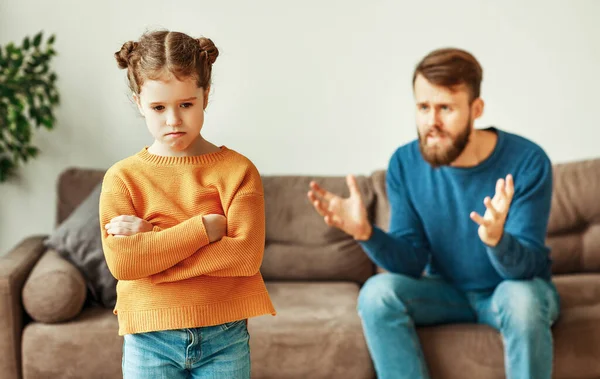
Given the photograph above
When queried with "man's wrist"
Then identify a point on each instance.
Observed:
(366, 235)
(495, 242)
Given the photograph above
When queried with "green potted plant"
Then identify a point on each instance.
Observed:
(28, 98)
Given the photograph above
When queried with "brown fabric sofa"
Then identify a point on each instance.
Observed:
(313, 274)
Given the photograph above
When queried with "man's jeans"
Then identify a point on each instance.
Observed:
(392, 305)
(215, 352)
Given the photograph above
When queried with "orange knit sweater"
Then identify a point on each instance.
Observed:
(172, 277)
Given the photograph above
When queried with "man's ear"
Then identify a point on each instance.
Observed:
(477, 108)
(206, 92)
(136, 98)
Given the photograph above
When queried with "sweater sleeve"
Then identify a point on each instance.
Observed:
(405, 248)
(239, 253)
(521, 252)
(143, 254)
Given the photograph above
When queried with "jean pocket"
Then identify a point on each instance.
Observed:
(233, 324)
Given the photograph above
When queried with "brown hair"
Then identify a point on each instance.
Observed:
(163, 52)
(450, 68)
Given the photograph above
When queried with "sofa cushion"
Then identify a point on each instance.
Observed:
(55, 290)
(299, 245)
(86, 347)
(74, 186)
(316, 334)
(577, 290)
(453, 350)
(574, 226)
(78, 240)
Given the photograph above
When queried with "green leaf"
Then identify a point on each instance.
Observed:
(45, 110)
(37, 39)
(33, 114)
(6, 168)
(26, 43)
(19, 108)
(23, 132)
(18, 61)
(47, 122)
(33, 151)
(51, 39)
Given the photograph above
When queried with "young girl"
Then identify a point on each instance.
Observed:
(183, 224)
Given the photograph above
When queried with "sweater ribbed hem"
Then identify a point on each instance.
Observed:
(151, 320)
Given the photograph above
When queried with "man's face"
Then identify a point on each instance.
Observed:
(444, 121)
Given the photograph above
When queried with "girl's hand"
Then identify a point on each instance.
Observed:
(125, 225)
(216, 226)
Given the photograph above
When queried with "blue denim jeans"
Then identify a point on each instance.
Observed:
(392, 305)
(214, 352)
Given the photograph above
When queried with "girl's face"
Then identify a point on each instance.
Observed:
(174, 113)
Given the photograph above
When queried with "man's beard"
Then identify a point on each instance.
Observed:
(438, 155)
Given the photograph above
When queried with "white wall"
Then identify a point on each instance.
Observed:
(320, 87)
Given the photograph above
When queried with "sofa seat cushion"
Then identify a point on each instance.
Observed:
(453, 350)
(85, 347)
(316, 334)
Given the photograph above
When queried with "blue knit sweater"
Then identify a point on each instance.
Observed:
(430, 227)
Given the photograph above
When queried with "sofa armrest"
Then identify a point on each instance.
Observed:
(14, 270)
